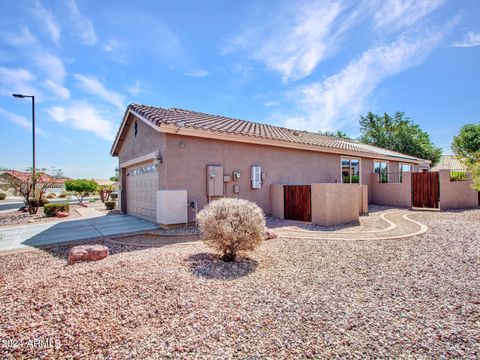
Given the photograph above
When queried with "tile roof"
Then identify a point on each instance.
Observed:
(42, 177)
(448, 162)
(222, 124)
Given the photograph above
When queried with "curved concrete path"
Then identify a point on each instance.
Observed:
(401, 226)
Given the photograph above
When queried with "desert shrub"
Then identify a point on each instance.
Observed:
(2, 196)
(232, 225)
(51, 209)
(51, 196)
(110, 205)
(114, 195)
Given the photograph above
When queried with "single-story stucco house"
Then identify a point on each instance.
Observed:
(194, 157)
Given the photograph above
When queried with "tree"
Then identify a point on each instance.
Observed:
(339, 134)
(104, 191)
(116, 176)
(31, 191)
(466, 145)
(81, 188)
(398, 133)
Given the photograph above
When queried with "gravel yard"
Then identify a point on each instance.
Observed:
(418, 297)
(20, 217)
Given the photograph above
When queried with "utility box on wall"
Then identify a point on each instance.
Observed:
(214, 180)
(256, 176)
(171, 207)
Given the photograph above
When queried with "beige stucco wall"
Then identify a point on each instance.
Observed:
(456, 194)
(366, 170)
(363, 199)
(334, 204)
(277, 199)
(399, 195)
(187, 167)
(148, 140)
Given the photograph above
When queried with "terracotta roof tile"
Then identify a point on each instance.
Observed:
(216, 123)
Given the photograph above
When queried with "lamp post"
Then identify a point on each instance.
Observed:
(21, 96)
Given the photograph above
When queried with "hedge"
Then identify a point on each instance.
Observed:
(51, 209)
(2, 196)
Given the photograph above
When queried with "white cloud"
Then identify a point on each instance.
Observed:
(82, 25)
(48, 20)
(83, 116)
(135, 89)
(197, 73)
(24, 38)
(57, 89)
(95, 87)
(341, 98)
(17, 81)
(51, 65)
(398, 14)
(112, 45)
(298, 37)
(469, 40)
(22, 121)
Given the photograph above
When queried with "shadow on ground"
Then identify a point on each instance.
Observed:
(211, 266)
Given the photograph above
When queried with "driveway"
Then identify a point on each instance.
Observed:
(20, 237)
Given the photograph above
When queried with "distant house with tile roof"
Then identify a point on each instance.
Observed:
(448, 162)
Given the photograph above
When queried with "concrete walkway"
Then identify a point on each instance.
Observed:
(21, 237)
(401, 226)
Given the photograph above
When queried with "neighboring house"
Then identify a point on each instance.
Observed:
(106, 182)
(211, 156)
(449, 162)
(56, 185)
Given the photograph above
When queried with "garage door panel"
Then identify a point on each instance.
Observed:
(142, 186)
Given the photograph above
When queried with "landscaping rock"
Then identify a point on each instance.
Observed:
(269, 235)
(61, 214)
(87, 253)
(82, 205)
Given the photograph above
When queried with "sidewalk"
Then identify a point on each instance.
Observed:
(94, 225)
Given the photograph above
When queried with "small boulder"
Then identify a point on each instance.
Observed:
(82, 204)
(269, 234)
(61, 214)
(87, 253)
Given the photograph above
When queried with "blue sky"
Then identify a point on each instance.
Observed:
(314, 65)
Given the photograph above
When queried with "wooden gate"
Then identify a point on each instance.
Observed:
(297, 202)
(425, 189)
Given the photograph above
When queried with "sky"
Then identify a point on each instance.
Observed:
(309, 65)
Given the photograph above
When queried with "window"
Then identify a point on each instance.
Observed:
(404, 167)
(350, 171)
(381, 168)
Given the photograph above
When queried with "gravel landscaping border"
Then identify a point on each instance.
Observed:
(415, 298)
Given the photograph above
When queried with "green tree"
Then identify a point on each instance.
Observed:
(339, 134)
(398, 133)
(81, 187)
(466, 145)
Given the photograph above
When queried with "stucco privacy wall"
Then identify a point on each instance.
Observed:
(187, 167)
(334, 204)
(456, 194)
(399, 195)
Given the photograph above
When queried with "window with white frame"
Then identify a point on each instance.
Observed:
(404, 167)
(350, 170)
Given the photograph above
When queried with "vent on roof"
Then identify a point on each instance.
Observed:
(296, 133)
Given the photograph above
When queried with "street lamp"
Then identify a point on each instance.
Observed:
(21, 96)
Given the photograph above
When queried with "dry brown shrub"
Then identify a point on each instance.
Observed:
(232, 225)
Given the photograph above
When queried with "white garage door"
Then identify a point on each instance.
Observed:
(142, 186)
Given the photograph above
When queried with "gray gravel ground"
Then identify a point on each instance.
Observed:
(412, 298)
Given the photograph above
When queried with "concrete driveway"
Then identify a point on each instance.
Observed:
(24, 236)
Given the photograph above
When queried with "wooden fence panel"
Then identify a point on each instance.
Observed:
(297, 202)
(426, 189)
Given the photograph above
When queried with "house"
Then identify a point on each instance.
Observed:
(168, 154)
(55, 185)
(449, 162)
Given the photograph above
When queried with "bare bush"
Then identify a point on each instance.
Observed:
(232, 225)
